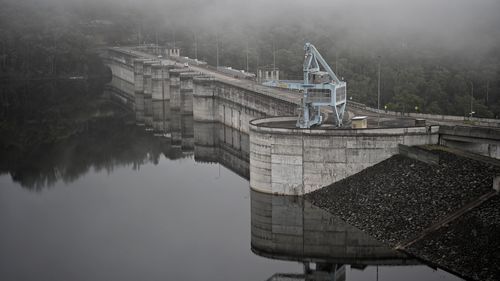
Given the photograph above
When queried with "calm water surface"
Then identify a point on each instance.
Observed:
(113, 202)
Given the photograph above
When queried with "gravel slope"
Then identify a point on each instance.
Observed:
(398, 198)
(470, 245)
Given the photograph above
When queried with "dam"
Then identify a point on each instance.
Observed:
(283, 159)
(206, 113)
(281, 228)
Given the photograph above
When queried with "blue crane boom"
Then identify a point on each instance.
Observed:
(321, 88)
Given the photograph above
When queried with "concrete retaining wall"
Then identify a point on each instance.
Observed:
(122, 92)
(121, 71)
(488, 122)
(121, 64)
(298, 161)
(419, 154)
(482, 141)
(234, 106)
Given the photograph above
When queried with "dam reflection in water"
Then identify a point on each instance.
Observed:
(292, 229)
(282, 227)
(179, 216)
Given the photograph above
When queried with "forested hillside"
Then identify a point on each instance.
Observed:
(44, 40)
(433, 57)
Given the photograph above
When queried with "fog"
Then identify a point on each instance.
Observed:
(423, 44)
(454, 24)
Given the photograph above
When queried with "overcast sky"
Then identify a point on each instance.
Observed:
(462, 22)
(470, 24)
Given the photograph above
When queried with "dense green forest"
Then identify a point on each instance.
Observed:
(420, 71)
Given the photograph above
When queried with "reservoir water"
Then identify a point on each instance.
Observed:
(87, 194)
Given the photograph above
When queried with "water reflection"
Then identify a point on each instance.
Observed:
(292, 229)
(217, 143)
(63, 149)
(43, 142)
(172, 118)
(182, 200)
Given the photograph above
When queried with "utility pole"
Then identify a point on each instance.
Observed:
(174, 37)
(217, 48)
(337, 62)
(139, 35)
(163, 97)
(156, 37)
(378, 91)
(195, 47)
(487, 88)
(274, 58)
(247, 55)
(471, 98)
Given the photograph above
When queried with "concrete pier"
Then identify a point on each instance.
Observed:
(160, 96)
(186, 101)
(204, 99)
(175, 87)
(139, 89)
(148, 92)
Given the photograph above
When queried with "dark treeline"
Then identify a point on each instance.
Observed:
(41, 112)
(413, 77)
(105, 144)
(40, 40)
(58, 130)
(434, 57)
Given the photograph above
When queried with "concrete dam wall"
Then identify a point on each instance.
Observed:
(206, 141)
(232, 106)
(296, 161)
(170, 99)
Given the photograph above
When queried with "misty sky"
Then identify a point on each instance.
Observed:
(456, 24)
(446, 15)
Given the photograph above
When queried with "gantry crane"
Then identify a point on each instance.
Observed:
(321, 88)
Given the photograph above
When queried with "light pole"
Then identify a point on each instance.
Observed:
(195, 47)
(247, 55)
(163, 97)
(274, 58)
(378, 91)
(217, 48)
(471, 98)
(337, 62)
(487, 88)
